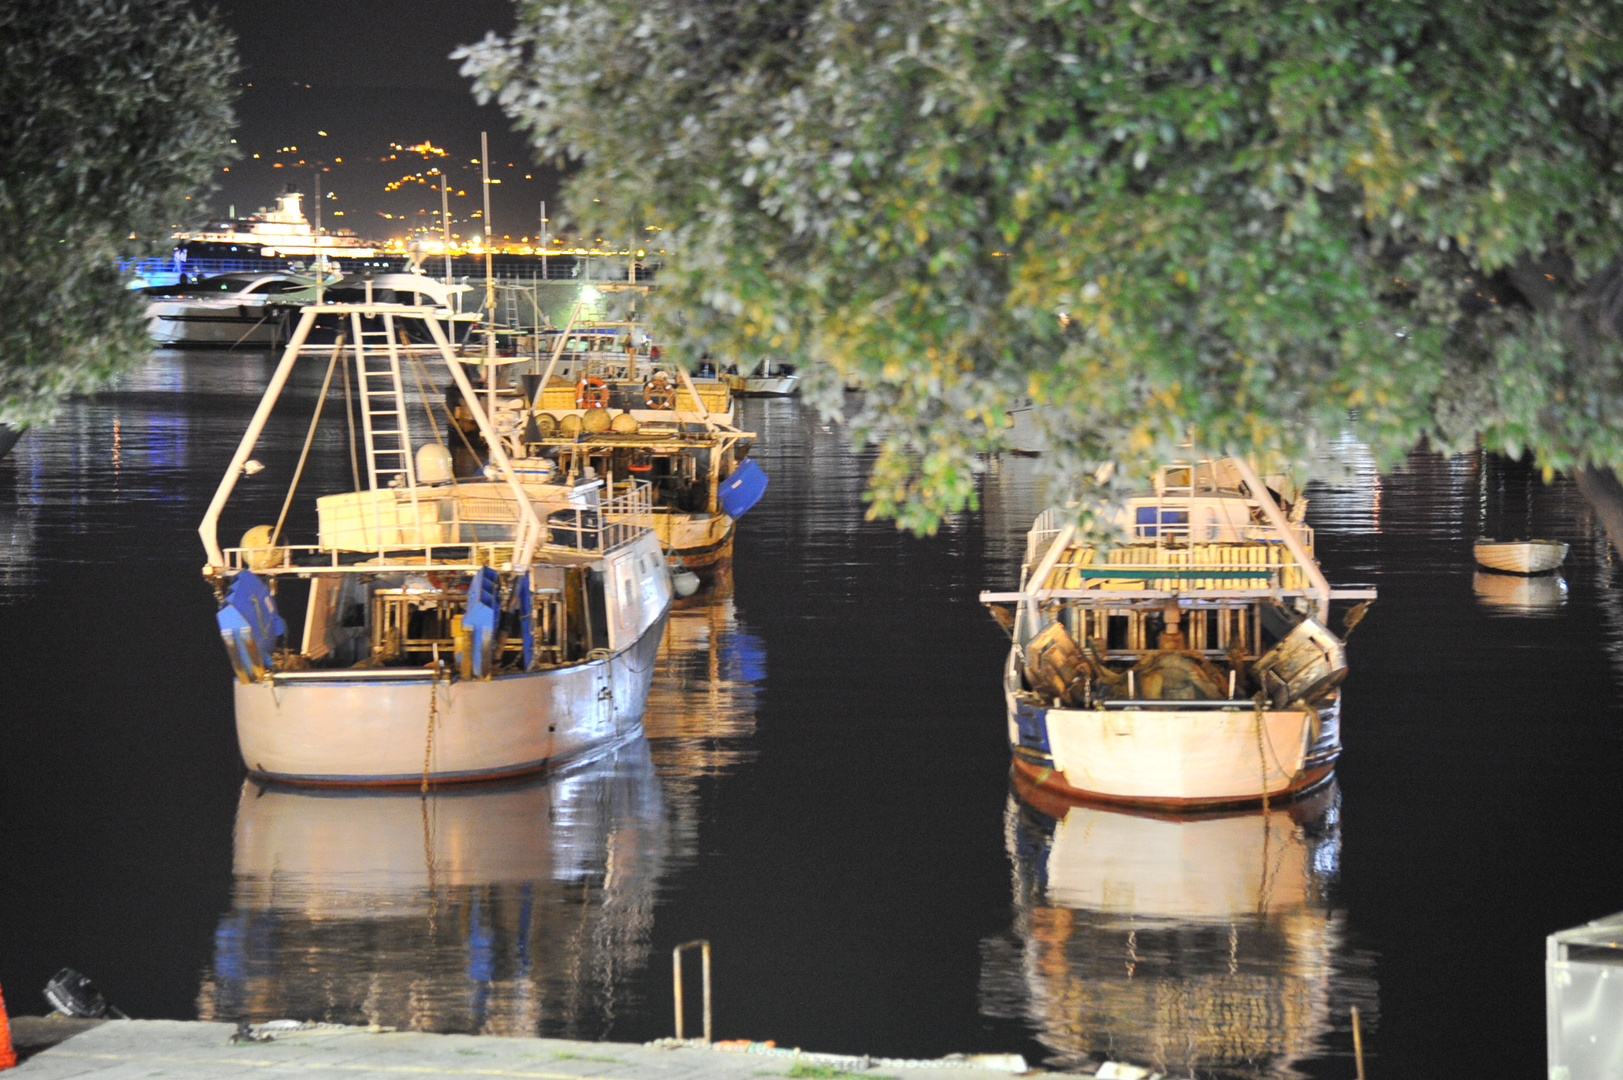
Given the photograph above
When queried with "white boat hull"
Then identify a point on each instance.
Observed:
(1161, 757)
(1025, 434)
(212, 324)
(1520, 556)
(770, 385)
(344, 728)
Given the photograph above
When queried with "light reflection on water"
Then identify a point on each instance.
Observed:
(510, 910)
(1205, 946)
(864, 754)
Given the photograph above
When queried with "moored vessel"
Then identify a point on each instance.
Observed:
(1519, 556)
(768, 378)
(625, 414)
(1187, 668)
(453, 629)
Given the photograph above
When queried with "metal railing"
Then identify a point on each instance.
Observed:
(591, 529)
(676, 986)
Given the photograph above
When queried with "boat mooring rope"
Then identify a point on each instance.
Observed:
(433, 717)
(1262, 758)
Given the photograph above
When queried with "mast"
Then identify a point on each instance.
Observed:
(445, 225)
(490, 282)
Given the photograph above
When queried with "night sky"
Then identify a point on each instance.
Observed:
(376, 79)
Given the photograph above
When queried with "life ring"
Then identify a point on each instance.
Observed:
(659, 392)
(591, 393)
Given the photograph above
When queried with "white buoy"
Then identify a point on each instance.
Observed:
(685, 582)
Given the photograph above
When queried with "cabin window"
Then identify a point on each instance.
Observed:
(1152, 521)
(1116, 632)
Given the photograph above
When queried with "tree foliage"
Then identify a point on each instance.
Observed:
(1256, 225)
(112, 113)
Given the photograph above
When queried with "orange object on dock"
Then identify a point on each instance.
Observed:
(8, 1057)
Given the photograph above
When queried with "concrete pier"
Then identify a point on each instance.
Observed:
(192, 1050)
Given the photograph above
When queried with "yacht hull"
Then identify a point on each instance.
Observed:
(353, 728)
(213, 324)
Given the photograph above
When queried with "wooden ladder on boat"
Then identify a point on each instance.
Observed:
(389, 462)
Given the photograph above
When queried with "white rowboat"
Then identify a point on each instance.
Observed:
(1519, 556)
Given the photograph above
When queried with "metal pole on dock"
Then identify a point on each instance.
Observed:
(1358, 1043)
(676, 972)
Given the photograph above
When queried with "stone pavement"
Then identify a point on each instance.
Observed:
(194, 1050)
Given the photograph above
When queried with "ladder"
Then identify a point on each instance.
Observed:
(389, 461)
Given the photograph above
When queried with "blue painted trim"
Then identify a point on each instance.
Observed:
(1031, 722)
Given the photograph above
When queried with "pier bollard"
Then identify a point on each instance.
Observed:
(676, 974)
(8, 1057)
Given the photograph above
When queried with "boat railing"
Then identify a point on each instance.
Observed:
(385, 558)
(1177, 529)
(591, 529)
(612, 524)
(1043, 531)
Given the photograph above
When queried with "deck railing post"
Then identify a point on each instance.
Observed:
(676, 987)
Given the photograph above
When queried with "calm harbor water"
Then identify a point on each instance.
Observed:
(823, 793)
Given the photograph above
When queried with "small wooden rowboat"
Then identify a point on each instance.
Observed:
(1519, 556)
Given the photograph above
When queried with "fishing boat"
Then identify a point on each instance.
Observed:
(454, 628)
(1188, 667)
(766, 379)
(1519, 556)
(629, 416)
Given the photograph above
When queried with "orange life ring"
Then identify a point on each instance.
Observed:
(659, 392)
(591, 393)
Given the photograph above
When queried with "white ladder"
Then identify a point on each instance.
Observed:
(389, 461)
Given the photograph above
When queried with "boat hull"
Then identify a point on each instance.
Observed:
(354, 730)
(213, 324)
(1171, 760)
(1520, 557)
(769, 385)
(702, 543)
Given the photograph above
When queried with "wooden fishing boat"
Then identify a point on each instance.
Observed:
(1519, 556)
(454, 629)
(626, 415)
(1187, 668)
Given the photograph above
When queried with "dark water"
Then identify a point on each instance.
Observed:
(824, 792)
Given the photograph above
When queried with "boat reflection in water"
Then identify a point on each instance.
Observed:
(701, 707)
(1515, 594)
(503, 910)
(1197, 946)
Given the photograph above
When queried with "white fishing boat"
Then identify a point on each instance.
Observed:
(226, 310)
(1025, 434)
(1187, 668)
(766, 379)
(1519, 556)
(626, 414)
(453, 629)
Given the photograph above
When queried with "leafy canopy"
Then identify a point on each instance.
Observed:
(112, 112)
(1256, 225)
